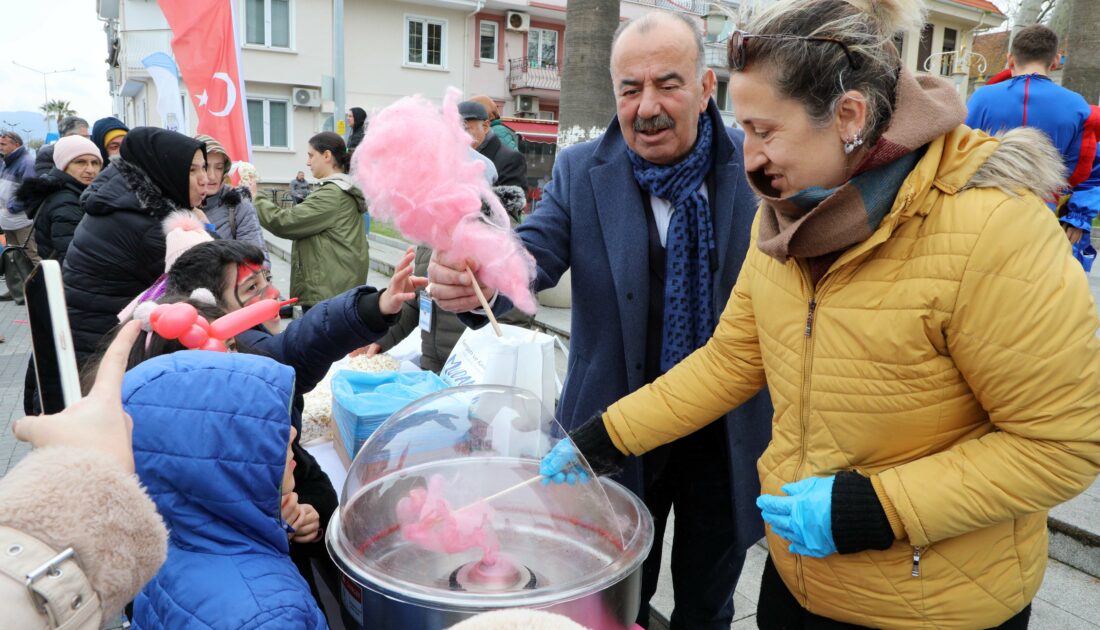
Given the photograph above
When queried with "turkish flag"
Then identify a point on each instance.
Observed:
(205, 46)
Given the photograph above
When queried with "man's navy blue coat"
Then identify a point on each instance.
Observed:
(591, 218)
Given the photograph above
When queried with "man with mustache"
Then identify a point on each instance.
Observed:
(654, 219)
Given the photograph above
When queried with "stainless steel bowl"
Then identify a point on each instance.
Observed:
(574, 550)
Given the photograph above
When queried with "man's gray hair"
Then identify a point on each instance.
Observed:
(69, 125)
(653, 20)
(11, 135)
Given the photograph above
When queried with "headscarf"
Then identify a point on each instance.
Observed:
(358, 117)
(165, 156)
(213, 146)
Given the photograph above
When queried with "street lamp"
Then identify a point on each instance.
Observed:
(45, 92)
(717, 19)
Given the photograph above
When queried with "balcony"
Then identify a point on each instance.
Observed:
(717, 55)
(137, 45)
(694, 7)
(528, 75)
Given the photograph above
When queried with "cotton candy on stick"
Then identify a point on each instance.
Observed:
(427, 519)
(415, 167)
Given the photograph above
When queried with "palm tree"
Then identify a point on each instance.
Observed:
(1082, 70)
(587, 97)
(59, 109)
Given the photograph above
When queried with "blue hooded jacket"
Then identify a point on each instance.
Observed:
(210, 441)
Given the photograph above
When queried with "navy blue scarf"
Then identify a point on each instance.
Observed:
(689, 305)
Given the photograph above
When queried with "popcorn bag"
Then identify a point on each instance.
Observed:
(520, 358)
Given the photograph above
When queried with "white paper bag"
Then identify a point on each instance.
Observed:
(521, 358)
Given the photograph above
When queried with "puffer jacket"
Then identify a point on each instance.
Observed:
(330, 253)
(214, 467)
(951, 357)
(52, 201)
(234, 217)
(116, 252)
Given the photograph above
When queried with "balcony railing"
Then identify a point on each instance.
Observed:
(525, 73)
(717, 55)
(137, 45)
(694, 7)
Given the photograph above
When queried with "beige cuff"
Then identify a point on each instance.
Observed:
(55, 582)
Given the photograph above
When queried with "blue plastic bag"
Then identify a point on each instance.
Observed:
(361, 401)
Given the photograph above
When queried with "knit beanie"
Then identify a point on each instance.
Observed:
(182, 231)
(111, 135)
(69, 148)
(213, 146)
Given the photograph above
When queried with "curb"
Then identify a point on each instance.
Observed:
(1074, 546)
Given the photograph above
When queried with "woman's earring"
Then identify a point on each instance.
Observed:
(852, 144)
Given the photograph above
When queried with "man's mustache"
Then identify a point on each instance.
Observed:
(656, 123)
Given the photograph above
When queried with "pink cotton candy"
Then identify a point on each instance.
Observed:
(427, 519)
(416, 169)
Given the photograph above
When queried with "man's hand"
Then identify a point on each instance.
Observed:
(366, 351)
(96, 421)
(403, 285)
(308, 528)
(451, 288)
(1074, 234)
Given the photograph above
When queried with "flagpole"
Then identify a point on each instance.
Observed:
(338, 63)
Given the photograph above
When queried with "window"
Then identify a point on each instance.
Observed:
(489, 40)
(924, 51)
(721, 95)
(269, 123)
(542, 48)
(425, 42)
(267, 23)
(950, 36)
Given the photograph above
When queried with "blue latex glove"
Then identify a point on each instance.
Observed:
(804, 516)
(562, 464)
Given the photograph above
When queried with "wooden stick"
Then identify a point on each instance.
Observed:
(484, 303)
(502, 492)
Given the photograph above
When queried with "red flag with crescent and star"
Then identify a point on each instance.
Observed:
(205, 46)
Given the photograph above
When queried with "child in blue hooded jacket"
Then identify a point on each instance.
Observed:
(219, 469)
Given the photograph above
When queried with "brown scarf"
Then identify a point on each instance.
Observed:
(802, 227)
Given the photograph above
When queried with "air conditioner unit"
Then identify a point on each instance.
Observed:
(306, 97)
(527, 104)
(517, 21)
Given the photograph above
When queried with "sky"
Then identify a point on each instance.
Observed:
(54, 35)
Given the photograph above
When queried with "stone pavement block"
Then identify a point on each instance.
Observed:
(14, 353)
(1068, 592)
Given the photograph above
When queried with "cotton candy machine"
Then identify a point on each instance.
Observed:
(441, 518)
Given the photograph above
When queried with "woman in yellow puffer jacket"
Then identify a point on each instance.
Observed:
(928, 340)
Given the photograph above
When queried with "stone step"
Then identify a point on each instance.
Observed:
(1075, 531)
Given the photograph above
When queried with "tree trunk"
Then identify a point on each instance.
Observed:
(1082, 69)
(587, 97)
(1059, 21)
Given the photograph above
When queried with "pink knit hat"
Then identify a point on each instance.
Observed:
(182, 231)
(69, 148)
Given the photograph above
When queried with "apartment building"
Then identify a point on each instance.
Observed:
(510, 50)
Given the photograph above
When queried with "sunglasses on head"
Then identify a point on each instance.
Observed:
(738, 55)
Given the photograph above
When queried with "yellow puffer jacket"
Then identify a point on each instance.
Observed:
(951, 357)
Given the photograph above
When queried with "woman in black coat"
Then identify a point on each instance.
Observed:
(118, 248)
(52, 201)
